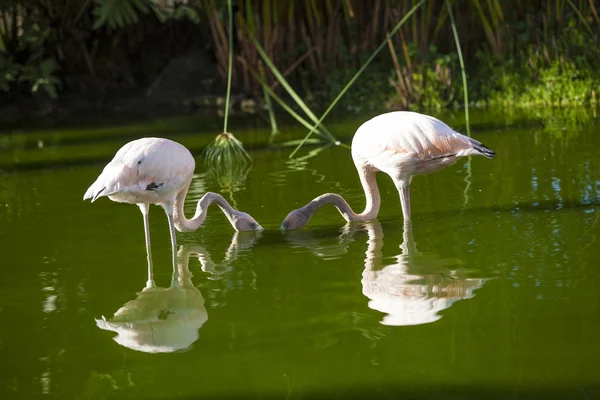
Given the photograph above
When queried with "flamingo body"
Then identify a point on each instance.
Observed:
(147, 170)
(401, 144)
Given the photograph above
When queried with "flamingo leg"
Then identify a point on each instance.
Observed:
(169, 211)
(145, 209)
(403, 186)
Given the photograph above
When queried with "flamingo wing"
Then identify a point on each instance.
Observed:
(402, 139)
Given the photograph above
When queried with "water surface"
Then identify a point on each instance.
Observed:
(495, 294)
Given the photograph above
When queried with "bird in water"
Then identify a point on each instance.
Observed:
(159, 171)
(402, 144)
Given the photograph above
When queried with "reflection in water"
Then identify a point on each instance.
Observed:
(162, 320)
(297, 164)
(240, 242)
(323, 248)
(414, 289)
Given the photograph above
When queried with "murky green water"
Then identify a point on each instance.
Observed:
(499, 298)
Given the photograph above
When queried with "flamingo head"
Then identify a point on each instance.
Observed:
(296, 219)
(244, 222)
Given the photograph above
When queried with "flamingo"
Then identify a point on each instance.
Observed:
(402, 144)
(159, 171)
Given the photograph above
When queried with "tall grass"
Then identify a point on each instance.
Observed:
(466, 95)
(316, 38)
(355, 77)
(288, 87)
(335, 34)
(462, 66)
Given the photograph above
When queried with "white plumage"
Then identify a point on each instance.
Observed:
(142, 163)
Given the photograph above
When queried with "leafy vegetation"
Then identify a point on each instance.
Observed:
(564, 72)
(515, 52)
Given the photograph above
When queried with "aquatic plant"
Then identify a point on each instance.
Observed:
(226, 157)
(227, 161)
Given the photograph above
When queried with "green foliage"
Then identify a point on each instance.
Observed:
(8, 74)
(36, 75)
(359, 72)
(368, 93)
(566, 73)
(433, 84)
(27, 44)
(42, 75)
(542, 53)
(561, 83)
(173, 11)
(118, 13)
(281, 79)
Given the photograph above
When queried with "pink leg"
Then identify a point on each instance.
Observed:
(169, 211)
(403, 186)
(145, 209)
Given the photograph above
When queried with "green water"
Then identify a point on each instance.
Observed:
(500, 297)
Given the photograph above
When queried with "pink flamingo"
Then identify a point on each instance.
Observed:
(159, 171)
(402, 144)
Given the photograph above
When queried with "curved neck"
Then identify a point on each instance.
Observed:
(373, 200)
(188, 225)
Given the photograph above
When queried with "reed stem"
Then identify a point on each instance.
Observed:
(230, 68)
(462, 66)
(287, 86)
(358, 73)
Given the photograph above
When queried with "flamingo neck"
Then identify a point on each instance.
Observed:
(189, 225)
(373, 200)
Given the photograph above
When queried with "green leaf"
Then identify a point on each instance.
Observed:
(51, 90)
(286, 85)
(118, 13)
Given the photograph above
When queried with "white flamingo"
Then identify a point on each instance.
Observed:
(159, 171)
(402, 144)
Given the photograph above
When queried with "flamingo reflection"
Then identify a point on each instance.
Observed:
(416, 287)
(412, 290)
(167, 319)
